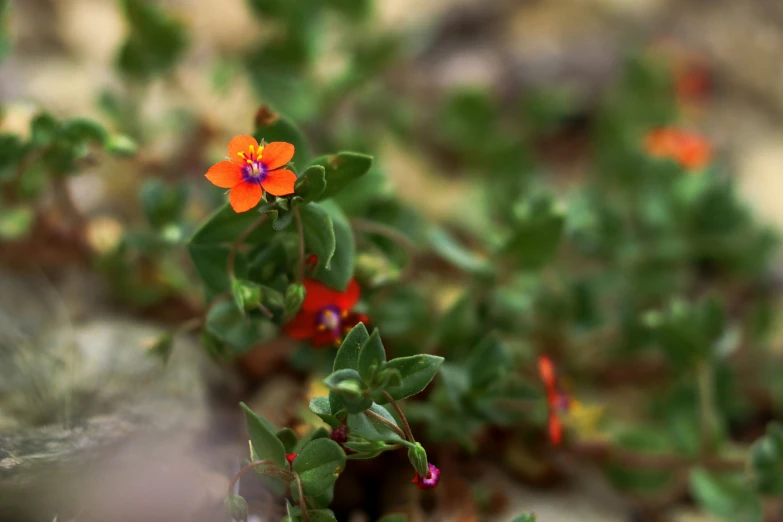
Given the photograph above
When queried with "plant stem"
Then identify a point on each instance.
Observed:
(392, 234)
(405, 424)
(232, 255)
(706, 408)
(188, 325)
(244, 470)
(387, 422)
(300, 230)
(302, 503)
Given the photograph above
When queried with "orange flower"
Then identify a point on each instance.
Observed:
(688, 149)
(326, 314)
(252, 168)
(556, 400)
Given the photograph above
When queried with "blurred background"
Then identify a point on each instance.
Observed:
(445, 94)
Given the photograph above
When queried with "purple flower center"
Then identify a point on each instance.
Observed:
(330, 318)
(254, 172)
(430, 480)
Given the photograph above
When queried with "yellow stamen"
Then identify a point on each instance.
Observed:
(344, 314)
(321, 327)
(241, 155)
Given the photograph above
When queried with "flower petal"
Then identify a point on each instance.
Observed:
(325, 338)
(546, 370)
(348, 299)
(241, 144)
(555, 429)
(245, 196)
(279, 182)
(302, 326)
(277, 154)
(225, 174)
(319, 296)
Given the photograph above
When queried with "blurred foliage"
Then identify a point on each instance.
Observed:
(639, 261)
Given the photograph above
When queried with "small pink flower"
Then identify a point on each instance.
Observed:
(430, 480)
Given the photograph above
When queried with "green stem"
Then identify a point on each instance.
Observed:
(387, 422)
(302, 503)
(244, 470)
(405, 424)
(300, 230)
(232, 255)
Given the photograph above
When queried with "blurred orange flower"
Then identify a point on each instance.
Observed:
(251, 169)
(688, 149)
(556, 400)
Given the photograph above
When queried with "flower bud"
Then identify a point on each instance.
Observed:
(418, 458)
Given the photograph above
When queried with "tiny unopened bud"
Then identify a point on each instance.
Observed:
(339, 434)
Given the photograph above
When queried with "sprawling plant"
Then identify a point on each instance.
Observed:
(622, 315)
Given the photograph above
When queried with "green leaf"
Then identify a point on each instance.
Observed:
(321, 407)
(449, 249)
(16, 222)
(225, 226)
(488, 364)
(319, 233)
(366, 427)
(316, 515)
(394, 517)
(81, 130)
(341, 169)
(340, 270)
(372, 356)
(320, 433)
(348, 354)
(274, 127)
(121, 146)
(228, 324)
(211, 263)
(247, 294)
(289, 439)
(237, 507)
(726, 496)
(311, 184)
(318, 465)
(645, 441)
(348, 386)
(294, 297)
(162, 203)
(44, 129)
(537, 232)
(766, 461)
(155, 41)
(525, 517)
(266, 445)
(416, 372)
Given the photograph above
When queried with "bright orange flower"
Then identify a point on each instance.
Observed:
(251, 169)
(556, 400)
(326, 314)
(688, 149)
